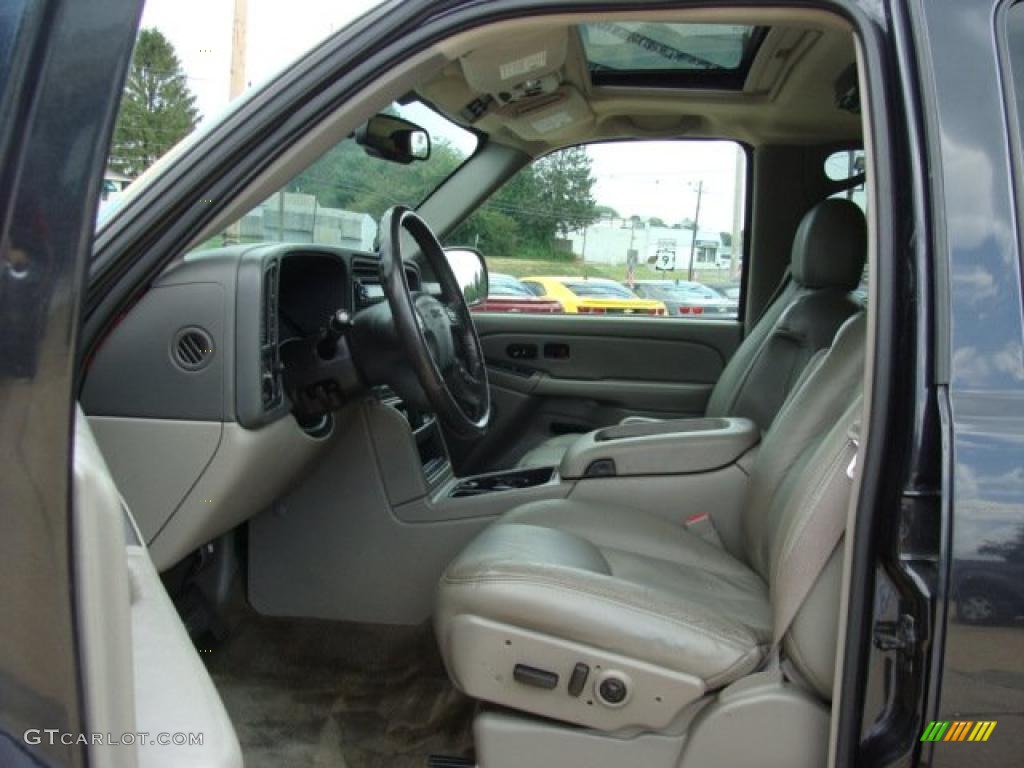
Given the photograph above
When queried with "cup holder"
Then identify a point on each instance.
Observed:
(513, 480)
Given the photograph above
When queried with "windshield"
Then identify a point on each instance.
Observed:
(339, 199)
(506, 285)
(600, 290)
(689, 291)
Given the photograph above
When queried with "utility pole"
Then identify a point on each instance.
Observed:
(737, 215)
(233, 234)
(696, 224)
(238, 33)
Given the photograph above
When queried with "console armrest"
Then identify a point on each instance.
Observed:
(673, 447)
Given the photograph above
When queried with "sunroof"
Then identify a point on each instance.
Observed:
(653, 53)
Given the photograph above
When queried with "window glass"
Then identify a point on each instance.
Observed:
(339, 199)
(846, 164)
(506, 285)
(654, 225)
(666, 55)
(595, 289)
(658, 46)
(188, 67)
(1015, 96)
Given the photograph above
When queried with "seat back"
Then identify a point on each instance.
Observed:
(826, 264)
(807, 437)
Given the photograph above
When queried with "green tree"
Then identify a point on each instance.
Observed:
(543, 202)
(157, 109)
(567, 183)
(348, 178)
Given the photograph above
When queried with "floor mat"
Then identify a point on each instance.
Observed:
(323, 693)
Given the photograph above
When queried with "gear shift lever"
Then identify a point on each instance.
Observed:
(338, 324)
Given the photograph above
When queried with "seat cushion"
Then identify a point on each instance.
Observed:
(615, 579)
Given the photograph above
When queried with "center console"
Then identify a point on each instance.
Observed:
(369, 531)
(671, 447)
(510, 480)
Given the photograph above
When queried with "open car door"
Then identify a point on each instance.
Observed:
(95, 666)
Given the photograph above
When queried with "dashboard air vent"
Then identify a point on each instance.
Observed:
(192, 349)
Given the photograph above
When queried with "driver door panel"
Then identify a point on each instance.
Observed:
(557, 374)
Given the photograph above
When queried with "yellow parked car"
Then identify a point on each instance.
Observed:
(593, 296)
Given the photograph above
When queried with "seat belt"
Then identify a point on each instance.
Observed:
(779, 289)
(818, 539)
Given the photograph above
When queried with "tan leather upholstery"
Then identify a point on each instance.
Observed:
(624, 581)
(826, 265)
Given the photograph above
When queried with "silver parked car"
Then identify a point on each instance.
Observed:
(685, 298)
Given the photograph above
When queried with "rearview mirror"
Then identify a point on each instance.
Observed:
(394, 138)
(470, 272)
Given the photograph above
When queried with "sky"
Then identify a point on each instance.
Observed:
(646, 179)
(278, 33)
(660, 178)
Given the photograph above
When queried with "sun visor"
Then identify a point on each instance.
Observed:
(499, 68)
(548, 117)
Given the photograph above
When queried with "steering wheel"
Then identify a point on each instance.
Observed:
(438, 336)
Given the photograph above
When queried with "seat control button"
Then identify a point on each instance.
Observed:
(613, 690)
(537, 678)
(578, 679)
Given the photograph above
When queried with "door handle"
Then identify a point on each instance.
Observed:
(556, 351)
(521, 351)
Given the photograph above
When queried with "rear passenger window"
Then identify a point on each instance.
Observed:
(848, 164)
(844, 165)
(629, 228)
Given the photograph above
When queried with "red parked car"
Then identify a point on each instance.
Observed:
(507, 294)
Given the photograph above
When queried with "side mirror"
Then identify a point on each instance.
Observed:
(470, 272)
(394, 138)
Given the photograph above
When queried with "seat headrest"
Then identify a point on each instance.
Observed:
(830, 246)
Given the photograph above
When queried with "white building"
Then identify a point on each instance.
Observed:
(609, 241)
(295, 217)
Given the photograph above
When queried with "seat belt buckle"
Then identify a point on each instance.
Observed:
(854, 437)
(701, 525)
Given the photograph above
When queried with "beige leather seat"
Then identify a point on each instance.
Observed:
(624, 592)
(827, 263)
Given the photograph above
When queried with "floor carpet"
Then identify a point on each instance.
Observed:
(320, 693)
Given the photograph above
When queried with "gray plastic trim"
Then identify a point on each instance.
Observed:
(155, 462)
(509, 740)
(760, 721)
(135, 372)
(103, 594)
(250, 469)
(679, 446)
(482, 654)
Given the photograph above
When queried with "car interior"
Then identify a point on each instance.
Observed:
(335, 517)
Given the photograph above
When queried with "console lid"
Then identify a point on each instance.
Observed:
(671, 447)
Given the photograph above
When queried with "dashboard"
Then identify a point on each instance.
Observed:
(204, 342)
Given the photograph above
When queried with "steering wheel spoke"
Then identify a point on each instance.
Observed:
(438, 336)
